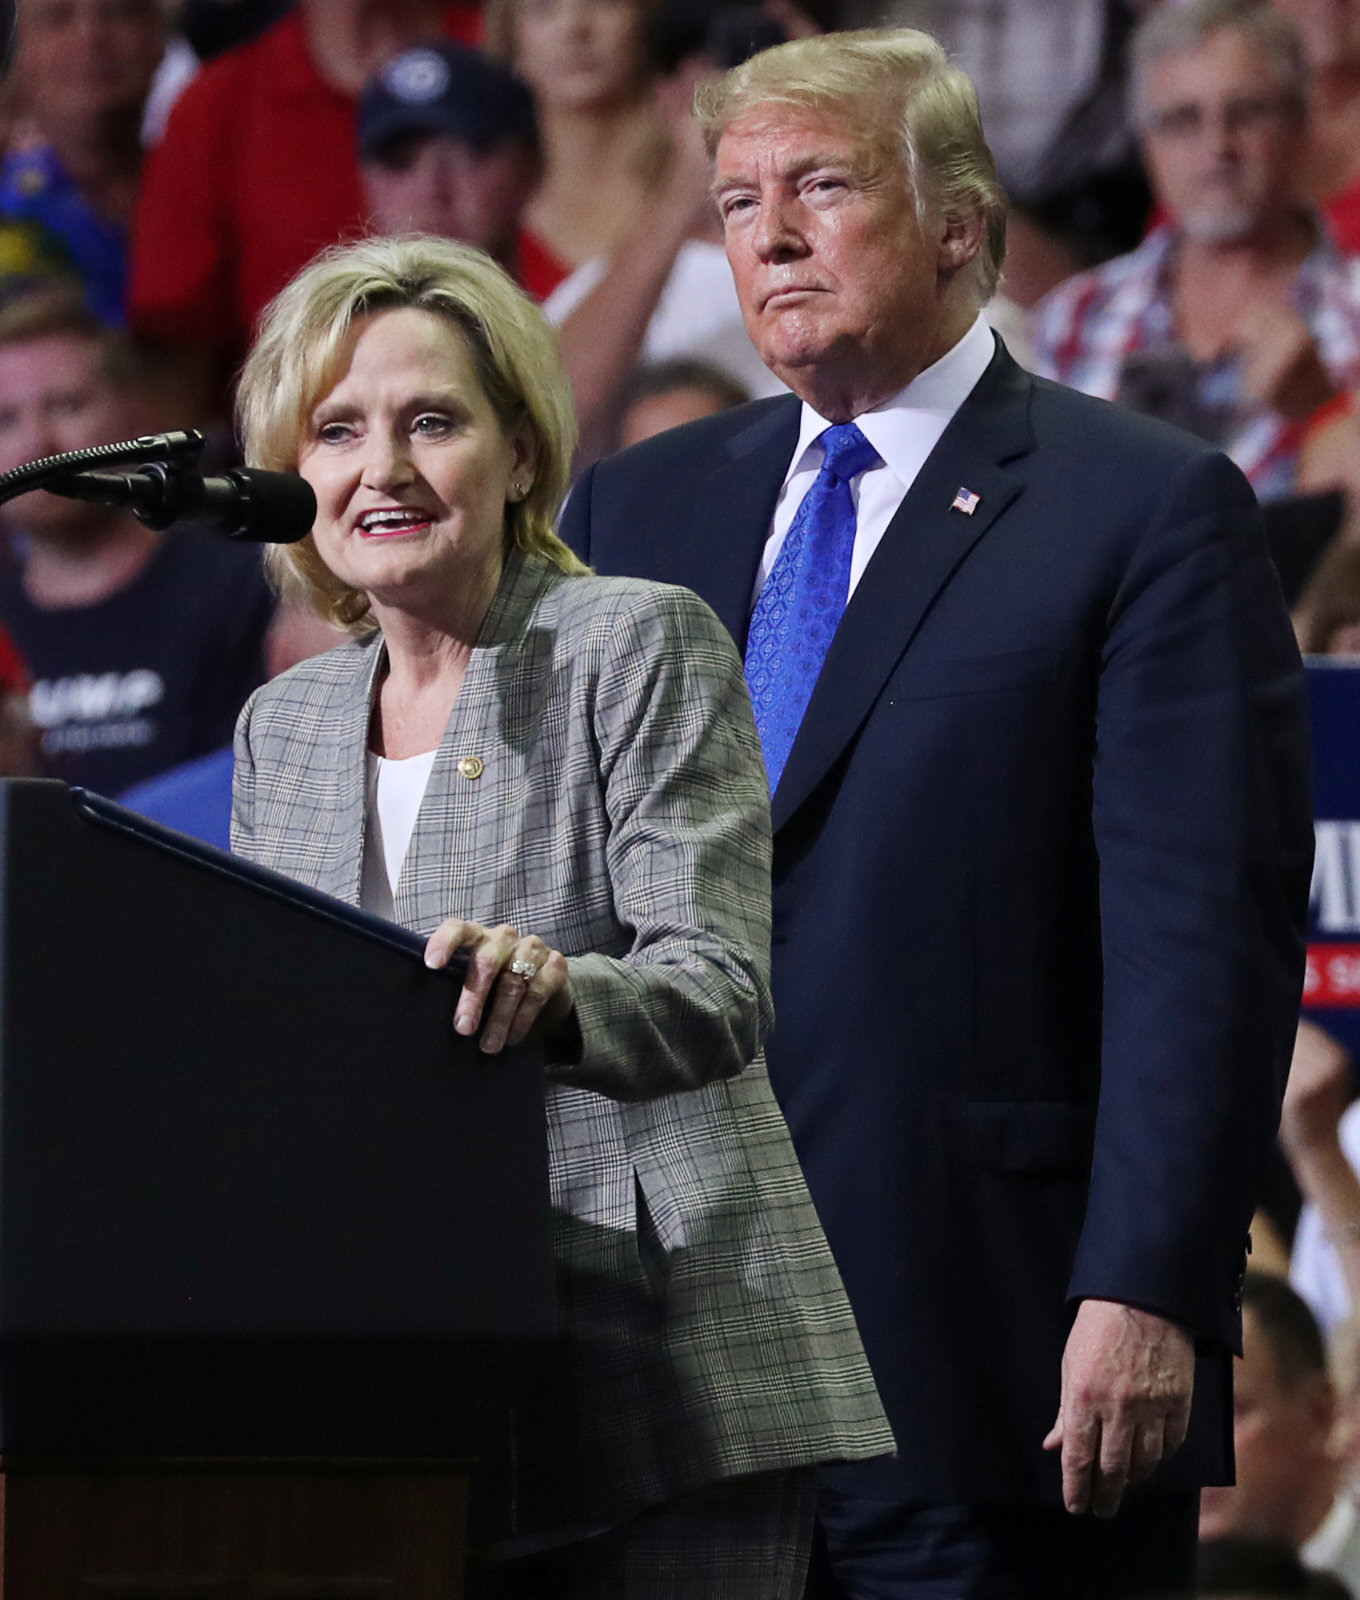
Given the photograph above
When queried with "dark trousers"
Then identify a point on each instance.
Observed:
(742, 1539)
(869, 1549)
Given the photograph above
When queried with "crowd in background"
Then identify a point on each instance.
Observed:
(1185, 240)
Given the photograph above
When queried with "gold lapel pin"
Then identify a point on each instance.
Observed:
(471, 767)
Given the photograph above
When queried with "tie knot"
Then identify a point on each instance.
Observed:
(848, 452)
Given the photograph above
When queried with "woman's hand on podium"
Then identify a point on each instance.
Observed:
(511, 981)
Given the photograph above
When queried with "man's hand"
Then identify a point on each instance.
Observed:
(1127, 1380)
(1281, 365)
(685, 193)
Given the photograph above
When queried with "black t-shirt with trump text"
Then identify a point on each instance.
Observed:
(151, 676)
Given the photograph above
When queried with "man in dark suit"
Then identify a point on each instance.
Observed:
(1042, 839)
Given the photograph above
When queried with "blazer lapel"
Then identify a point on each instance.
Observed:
(348, 758)
(718, 539)
(923, 546)
(493, 720)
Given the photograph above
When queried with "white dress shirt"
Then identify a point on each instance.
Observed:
(904, 430)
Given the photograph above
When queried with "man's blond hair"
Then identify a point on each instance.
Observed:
(896, 88)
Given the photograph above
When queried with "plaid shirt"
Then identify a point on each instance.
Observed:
(1088, 327)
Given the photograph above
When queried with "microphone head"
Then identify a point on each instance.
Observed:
(271, 507)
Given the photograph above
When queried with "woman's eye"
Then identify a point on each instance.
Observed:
(333, 433)
(432, 425)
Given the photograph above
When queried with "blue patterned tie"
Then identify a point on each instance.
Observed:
(800, 606)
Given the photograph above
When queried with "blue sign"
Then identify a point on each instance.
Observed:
(1331, 994)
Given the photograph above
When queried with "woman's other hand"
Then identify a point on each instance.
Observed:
(511, 981)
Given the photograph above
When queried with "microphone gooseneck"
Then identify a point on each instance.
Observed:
(186, 445)
(162, 485)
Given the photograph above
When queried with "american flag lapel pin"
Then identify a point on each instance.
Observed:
(966, 501)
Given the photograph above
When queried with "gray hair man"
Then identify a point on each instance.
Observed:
(1033, 719)
(1236, 318)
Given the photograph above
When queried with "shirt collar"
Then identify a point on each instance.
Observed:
(927, 404)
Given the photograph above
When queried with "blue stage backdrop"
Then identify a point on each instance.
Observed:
(1331, 992)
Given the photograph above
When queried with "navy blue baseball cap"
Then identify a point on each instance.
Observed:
(445, 88)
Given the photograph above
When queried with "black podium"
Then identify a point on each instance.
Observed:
(274, 1253)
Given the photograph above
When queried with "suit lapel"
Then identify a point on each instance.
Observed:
(923, 546)
(717, 552)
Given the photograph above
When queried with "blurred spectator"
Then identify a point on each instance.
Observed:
(1320, 1135)
(212, 27)
(1261, 1569)
(448, 140)
(1086, 187)
(142, 646)
(1300, 529)
(1051, 78)
(1289, 1482)
(1331, 38)
(605, 142)
(257, 172)
(1236, 318)
(1032, 62)
(1327, 622)
(195, 797)
(672, 392)
(81, 73)
(18, 742)
(1344, 1359)
(665, 291)
(204, 29)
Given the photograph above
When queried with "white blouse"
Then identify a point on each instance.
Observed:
(395, 790)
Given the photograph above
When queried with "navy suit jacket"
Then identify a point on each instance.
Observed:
(1042, 854)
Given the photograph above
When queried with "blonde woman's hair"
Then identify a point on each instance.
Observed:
(897, 88)
(297, 360)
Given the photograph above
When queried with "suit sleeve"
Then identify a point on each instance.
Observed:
(574, 528)
(688, 859)
(1203, 830)
(243, 783)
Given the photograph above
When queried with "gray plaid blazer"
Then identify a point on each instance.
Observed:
(622, 813)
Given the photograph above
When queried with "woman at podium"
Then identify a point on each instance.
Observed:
(560, 775)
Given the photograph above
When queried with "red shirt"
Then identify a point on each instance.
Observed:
(1342, 211)
(258, 170)
(14, 677)
(537, 268)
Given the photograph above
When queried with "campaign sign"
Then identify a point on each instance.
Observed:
(1331, 988)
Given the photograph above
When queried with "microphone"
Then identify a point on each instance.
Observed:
(246, 503)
